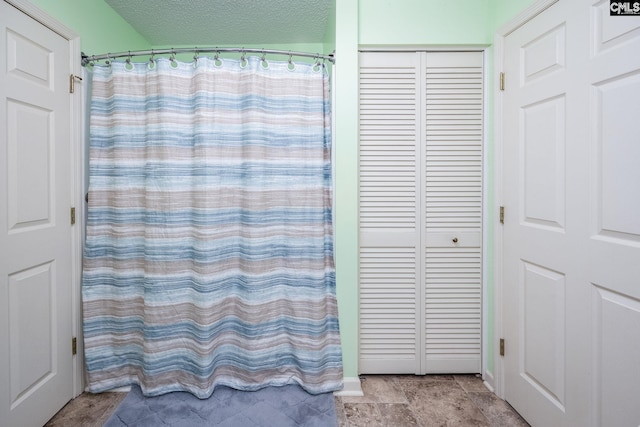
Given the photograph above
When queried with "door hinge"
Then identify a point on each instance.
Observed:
(73, 216)
(501, 214)
(501, 81)
(72, 82)
(501, 346)
(74, 346)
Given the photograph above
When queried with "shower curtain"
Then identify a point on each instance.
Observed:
(209, 244)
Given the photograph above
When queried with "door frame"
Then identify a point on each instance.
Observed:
(518, 21)
(76, 126)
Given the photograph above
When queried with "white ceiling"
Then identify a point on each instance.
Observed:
(226, 22)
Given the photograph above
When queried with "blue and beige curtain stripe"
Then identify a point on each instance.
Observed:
(209, 247)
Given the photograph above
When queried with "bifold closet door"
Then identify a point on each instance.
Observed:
(420, 211)
(391, 298)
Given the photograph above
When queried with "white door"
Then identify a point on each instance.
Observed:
(571, 237)
(35, 230)
(420, 212)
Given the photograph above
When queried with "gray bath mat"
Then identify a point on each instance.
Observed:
(271, 406)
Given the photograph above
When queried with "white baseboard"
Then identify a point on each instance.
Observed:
(489, 381)
(351, 387)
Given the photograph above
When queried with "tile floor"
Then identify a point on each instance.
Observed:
(388, 401)
(431, 400)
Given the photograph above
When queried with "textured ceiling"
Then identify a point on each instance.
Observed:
(226, 22)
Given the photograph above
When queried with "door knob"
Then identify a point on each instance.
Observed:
(455, 240)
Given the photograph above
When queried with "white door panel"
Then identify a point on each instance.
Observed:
(390, 291)
(613, 266)
(452, 203)
(572, 234)
(421, 128)
(35, 231)
(542, 240)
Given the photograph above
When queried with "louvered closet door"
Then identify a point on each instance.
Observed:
(390, 295)
(452, 210)
(420, 188)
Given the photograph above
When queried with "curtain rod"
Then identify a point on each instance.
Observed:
(86, 59)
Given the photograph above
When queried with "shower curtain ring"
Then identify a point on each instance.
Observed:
(243, 58)
(291, 66)
(127, 63)
(317, 66)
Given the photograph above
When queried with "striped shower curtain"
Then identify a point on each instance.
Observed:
(209, 244)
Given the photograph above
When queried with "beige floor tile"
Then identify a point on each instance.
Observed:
(342, 416)
(423, 378)
(471, 383)
(397, 415)
(362, 414)
(87, 410)
(442, 404)
(378, 389)
(498, 412)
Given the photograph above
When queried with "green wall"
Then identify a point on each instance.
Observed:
(504, 10)
(100, 28)
(424, 22)
(346, 178)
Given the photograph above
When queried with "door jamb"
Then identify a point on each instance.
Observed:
(77, 155)
(518, 21)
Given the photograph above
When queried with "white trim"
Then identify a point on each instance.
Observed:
(77, 149)
(48, 21)
(525, 16)
(498, 366)
(498, 61)
(489, 381)
(486, 212)
(423, 48)
(351, 387)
